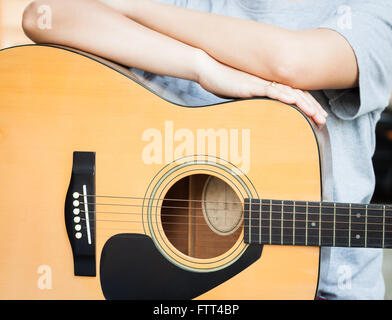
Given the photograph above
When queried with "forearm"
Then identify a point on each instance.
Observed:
(235, 42)
(91, 26)
(309, 60)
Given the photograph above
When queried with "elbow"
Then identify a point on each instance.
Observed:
(30, 21)
(37, 19)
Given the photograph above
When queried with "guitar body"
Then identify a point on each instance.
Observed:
(54, 102)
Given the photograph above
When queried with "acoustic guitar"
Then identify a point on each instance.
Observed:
(112, 189)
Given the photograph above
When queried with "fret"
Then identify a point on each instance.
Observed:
(260, 221)
(313, 224)
(383, 226)
(276, 222)
(328, 221)
(334, 225)
(358, 226)
(320, 206)
(349, 226)
(252, 219)
(374, 226)
(247, 232)
(342, 222)
(300, 223)
(294, 217)
(255, 220)
(388, 227)
(265, 221)
(281, 224)
(306, 223)
(366, 222)
(270, 222)
(288, 221)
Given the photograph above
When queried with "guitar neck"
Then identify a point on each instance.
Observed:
(328, 224)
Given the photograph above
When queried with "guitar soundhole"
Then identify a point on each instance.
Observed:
(202, 216)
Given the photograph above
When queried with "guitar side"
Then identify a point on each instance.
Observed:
(55, 102)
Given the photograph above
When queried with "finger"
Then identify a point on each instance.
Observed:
(289, 95)
(320, 116)
(280, 92)
(315, 111)
(320, 109)
(301, 101)
(310, 96)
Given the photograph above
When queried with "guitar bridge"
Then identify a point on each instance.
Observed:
(80, 213)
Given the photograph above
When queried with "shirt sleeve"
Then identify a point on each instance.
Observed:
(367, 26)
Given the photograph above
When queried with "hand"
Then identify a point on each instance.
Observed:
(228, 82)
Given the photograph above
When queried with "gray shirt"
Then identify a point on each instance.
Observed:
(353, 113)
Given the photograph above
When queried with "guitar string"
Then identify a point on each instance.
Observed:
(254, 234)
(353, 214)
(302, 242)
(223, 238)
(185, 208)
(387, 206)
(310, 236)
(124, 236)
(258, 226)
(233, 241)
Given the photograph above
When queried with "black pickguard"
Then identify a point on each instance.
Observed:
(133, 268)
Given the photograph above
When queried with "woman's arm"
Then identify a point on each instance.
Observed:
(309, 60)
(91, 26)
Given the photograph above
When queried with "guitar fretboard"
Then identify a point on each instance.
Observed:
(327, 224)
